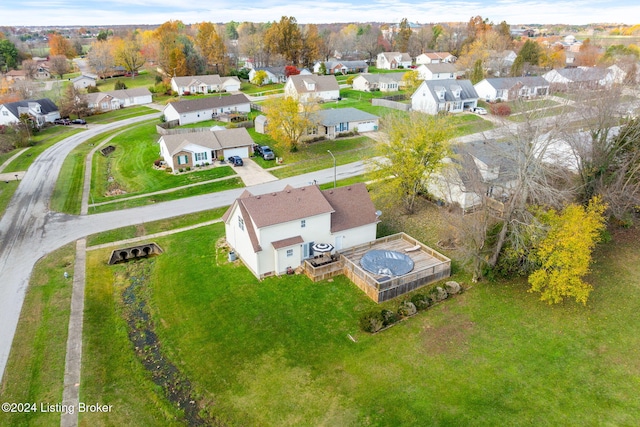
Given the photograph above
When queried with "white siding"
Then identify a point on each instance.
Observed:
(240, 151)
(485, 90)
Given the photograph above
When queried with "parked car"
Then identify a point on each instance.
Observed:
(267, 153)
(79, 121)
(62, 121)
(479, 110)
(236, 160)
(257, 150)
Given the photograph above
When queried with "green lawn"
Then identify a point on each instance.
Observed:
(121, 114)
(41, 141)
(144, 79)
(277, 352)
(6, 193)
(130, 167)
(314, 156)
(35, 369)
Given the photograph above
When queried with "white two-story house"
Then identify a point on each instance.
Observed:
(274, 231)
(452, 96)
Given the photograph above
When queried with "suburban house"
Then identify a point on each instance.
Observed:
(390, 82)
(83, 82)
(499, 62)
(203, 109)
(309, 88)
(579, 78)
(274, 74)
(273, 232)
(511, 88)
(41, 111)
(434, 58)
(452, 96)
(334, 121)
(184, 150)
(204, 84)
(116, 99)
(436, 71)
(477, 172)
(344, 67)
(393, 60)
(15, 75)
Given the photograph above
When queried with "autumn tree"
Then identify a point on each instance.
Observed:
(478, 72)
(259, 77)
(127, 54)
(403, 36)
(420, 40)
(73, 103)
(289, 121)
(59, 65)
(368, 41)
(170, 55)
(285, 38)
(311, 45)
(411, 79)
(30, 68)
(415, 149)
(101, 58)
(211, 47)
(60, 46)
(564, 255)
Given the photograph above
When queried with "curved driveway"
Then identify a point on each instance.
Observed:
(28, 230)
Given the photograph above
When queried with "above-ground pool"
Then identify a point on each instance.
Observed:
(386, 263)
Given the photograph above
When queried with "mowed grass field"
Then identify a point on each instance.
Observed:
(277, 352)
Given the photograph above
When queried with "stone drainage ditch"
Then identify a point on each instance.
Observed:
(141, 330)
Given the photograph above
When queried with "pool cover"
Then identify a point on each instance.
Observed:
(386, 263)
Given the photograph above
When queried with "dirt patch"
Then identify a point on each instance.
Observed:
(446, 338)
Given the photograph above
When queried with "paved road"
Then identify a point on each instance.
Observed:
(28, 230)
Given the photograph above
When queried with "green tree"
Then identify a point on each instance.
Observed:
(564, 255)
(478, 72)
(529, 55)
(8, 54)
(288, 121)
(415, 150)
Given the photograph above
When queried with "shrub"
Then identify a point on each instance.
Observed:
(389, 317)
(169, 170)
(407, 308)
(438, 294)
(181, 170)
(422, 302)
(371, 322)
(188, 168)
(119, 85)
(500, 109)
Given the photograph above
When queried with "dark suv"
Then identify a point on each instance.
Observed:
(236, 160)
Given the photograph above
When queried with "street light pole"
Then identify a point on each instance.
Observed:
(334, 168)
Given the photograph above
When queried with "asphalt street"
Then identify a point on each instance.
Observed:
(28, 230)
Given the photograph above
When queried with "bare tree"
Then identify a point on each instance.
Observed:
(59, 65)
(30, 68)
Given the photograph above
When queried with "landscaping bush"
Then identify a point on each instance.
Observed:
(407, 308)
(181, 170)
(421, 301)
(188, 168)
(501, 109)
(389, 317)
(438, 294)
(371, 322)
(169, 170)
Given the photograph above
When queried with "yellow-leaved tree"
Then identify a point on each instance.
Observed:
(564, 254)
(289, 120)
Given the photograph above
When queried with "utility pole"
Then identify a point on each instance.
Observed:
(334, 168)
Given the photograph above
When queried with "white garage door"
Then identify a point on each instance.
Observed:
(241, 151)
(367, 126)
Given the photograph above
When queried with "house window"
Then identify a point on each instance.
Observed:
(342, 127)
(183, 160)
(303, 223)
(5, 113)
(201, 156)
(289, 253)
(241, 223)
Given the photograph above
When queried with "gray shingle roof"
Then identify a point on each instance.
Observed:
(46, 105)
(215, 140)
(331, 117)
(467, 91)
(209, 103)
(509, 82)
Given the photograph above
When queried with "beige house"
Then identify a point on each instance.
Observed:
(307, 88)
(187, 150)
(204, 84)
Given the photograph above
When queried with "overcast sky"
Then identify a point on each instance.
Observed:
(115, 12)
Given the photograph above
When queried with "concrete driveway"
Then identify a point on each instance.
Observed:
(252, 174)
